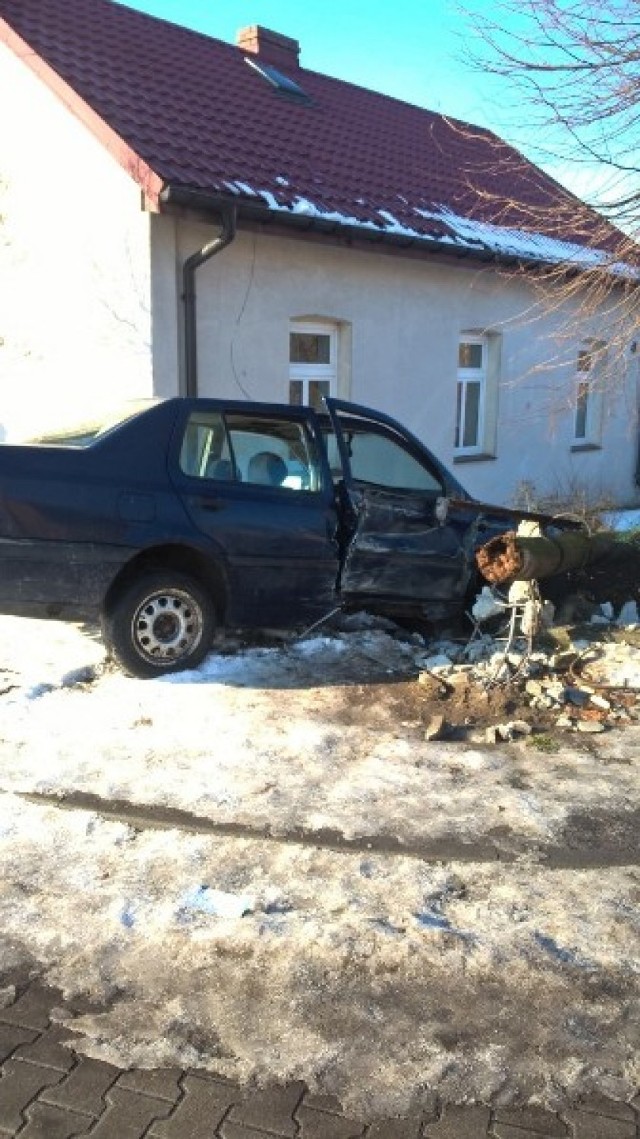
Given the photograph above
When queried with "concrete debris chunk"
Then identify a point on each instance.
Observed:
(600, 702)
(512, 729)
(461, 679)
(590, 726)
(434, 685)
(542, 702)
(486, 605)
(556, 690)
(520, 727)
(436, 728)
(563, 660)
(519, 592)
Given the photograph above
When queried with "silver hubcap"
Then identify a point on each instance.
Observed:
(167, 626)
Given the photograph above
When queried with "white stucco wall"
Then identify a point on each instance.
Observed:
(75, 266)
(400, 322)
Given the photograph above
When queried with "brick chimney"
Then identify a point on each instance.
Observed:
(269, 47)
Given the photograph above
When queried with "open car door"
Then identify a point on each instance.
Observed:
(400, 547)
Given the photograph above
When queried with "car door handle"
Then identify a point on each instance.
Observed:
(209, 503)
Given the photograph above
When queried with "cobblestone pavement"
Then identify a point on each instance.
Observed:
(49, 1092)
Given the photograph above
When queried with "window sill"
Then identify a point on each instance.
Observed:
(585, 447)
(481, 457)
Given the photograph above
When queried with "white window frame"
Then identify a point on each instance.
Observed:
(586, 380)
(464, 378)
(306, 373)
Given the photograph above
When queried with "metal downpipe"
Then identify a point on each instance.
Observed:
(189, 269)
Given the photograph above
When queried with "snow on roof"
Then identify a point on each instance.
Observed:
(199, 119)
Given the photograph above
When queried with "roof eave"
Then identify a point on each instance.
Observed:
(207, 204)
(204, 203)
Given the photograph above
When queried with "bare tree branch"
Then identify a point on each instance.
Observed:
(574, 69)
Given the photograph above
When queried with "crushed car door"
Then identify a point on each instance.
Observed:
(399, 544)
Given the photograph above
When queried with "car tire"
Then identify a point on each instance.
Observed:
(162, 622)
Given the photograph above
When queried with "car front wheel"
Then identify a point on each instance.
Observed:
(162, 622)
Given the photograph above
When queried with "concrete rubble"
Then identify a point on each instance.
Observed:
(580, 679)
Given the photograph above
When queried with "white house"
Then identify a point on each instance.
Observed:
(186, 216)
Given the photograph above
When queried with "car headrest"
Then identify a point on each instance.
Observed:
(267, 468)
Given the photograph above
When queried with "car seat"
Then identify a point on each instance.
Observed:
(267, 468)
(221, 469)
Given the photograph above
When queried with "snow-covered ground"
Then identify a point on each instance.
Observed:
(243, 936)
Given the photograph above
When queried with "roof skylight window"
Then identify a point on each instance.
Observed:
(280, 82)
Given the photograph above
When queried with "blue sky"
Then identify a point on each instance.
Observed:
(410, 51)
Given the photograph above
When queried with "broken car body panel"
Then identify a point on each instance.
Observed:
(402, 543)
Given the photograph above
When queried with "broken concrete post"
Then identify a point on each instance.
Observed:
(512, 557)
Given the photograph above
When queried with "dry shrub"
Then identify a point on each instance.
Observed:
(571, 500)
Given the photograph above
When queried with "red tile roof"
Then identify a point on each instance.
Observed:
(183, 110)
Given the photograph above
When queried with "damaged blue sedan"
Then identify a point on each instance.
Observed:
(188, 515)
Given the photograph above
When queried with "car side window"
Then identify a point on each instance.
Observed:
(205, 450)
(379, 460)
(273, 452)
(250, 449)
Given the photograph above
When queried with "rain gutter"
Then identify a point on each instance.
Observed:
(259, 212)
(189, 269)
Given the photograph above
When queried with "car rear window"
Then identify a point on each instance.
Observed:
(86, 432)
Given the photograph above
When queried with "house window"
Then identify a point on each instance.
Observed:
(471, 394)
(586, 421)
(313, 367)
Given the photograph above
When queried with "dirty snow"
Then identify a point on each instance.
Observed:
(463, 956)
